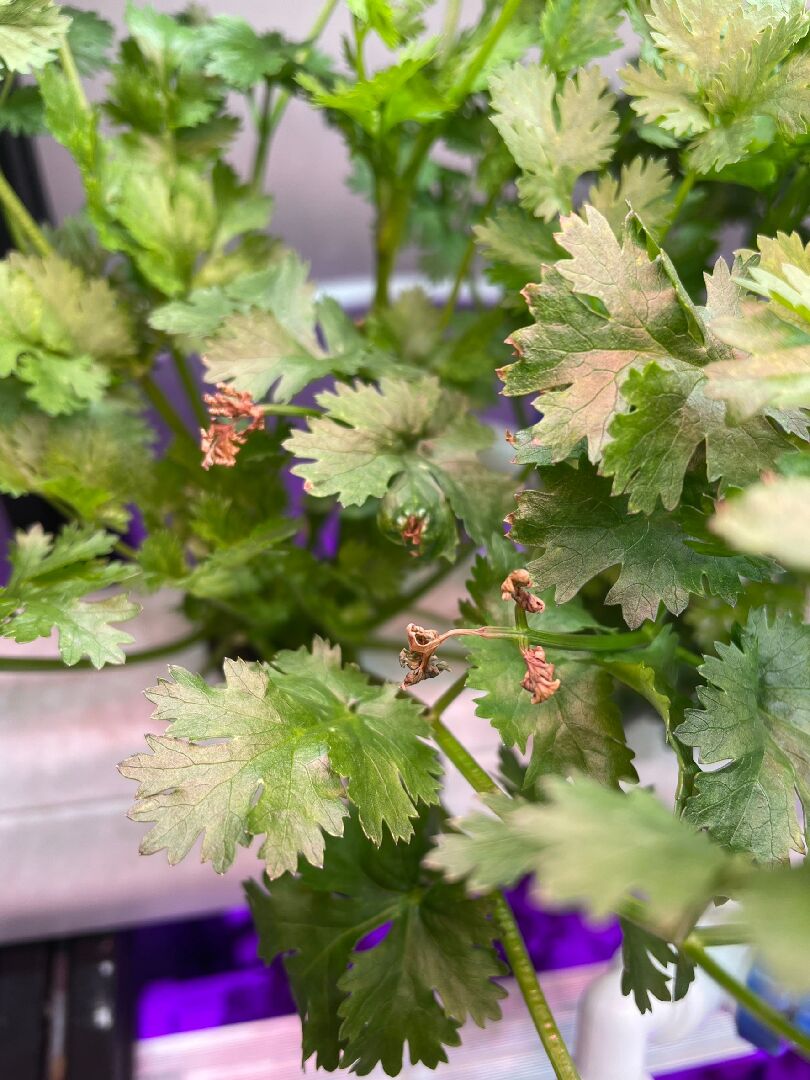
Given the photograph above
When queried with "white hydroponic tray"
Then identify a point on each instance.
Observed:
(508, 1050)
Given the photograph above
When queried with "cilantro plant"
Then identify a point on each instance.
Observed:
(656, 555)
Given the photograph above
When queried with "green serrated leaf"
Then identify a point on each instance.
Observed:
(643, 185)
(771, 519)
(241, 56)
(645, 959)
(553, 136)
(583, 531)
(580, 355)
(575, 31)
(290, 732)
(22, 112)
(89, 38)
(361, 1007)
(31, 32)
(49, 578)
(756, 717)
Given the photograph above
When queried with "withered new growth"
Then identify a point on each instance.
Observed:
(516, 588)
(221, 441)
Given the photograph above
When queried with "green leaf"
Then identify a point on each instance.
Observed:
(291, 733)
(553, 136)
(652, 446)
(644, 184)
(580, 353)
(725, 75)
(756, 717)
(368, 436)
(97, 461)
(59, 331)
(242, 57)
(394, 20)
(771, 519)
(89, 38)
(578, 730)
(22, 113)
(49, 577)
(31, 32)
(769, 366)
(583, 532)
(776, 906)
(645, 959)
(594, 847)
(361, 1006)
(575, 31)
(521, 242)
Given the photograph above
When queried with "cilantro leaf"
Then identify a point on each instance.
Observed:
(578, 730)
(645, 959)
(242, 57)
(771, 519)
(583, 531)
(776, 909)
(770, 364)
(369, 436)
(725, 75)
(644, 184)
(579, 356)
(291, 732)
(22, 113)
(755, 716)
(361, 1006)
(652, 446)
(570, 841)
(89, 38)
(31, 32)
(49, 577)
(517, 244)
(553, 136)
(59, 330)
(575, 31)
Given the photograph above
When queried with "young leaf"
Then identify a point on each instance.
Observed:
(652, 446)
(31, 32)
(89, 38)
(580, 356)
(643, 185)
(574, 32)
(22, 113)
(755, 716)
(362, 1006)
(291, 733)
(771, 519)
(369, 436)
(776, 906)
(570, 842)
(583, 531)
(553, 136)
(49, 577)
(240, 56)
(59, 331)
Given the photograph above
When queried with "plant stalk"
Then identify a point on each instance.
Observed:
(191, 390)
(163, 408)
(264, 129)
(20, 222)
(289, 410)
(509, 933)
(681, 195)
(41, 663)
(751, 1002)
(72, 75)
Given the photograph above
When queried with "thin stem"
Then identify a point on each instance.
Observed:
(8, 85)
(751, 1002)
(522, 626)
(72, 74)
(566, 642)
(289, 410)
(722, 934)
(526, 977)
(37, 663)
(452, 14)
(20, 221)
(192, 391)
(681, 195)
(163, 408)
(508, 930)
(688, 657)
(264, 129)
(284, 96)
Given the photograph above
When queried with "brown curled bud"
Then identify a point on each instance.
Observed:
(221, 442)
(516, 589)
(539, 678)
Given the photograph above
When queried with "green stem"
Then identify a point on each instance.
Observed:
(20, 221)
(191, 390)
(522, 626)
(476, 66)
(526, 977)
(8, 86)
(681, 195)
(264, 130)
(452, 14)
(163, 408)
(751, 1002)
(289, 410)
(284, 96)
(72, 75)
(722, 934)
(36, 663)
(688, 657)
(508, 931)
(566, 642)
